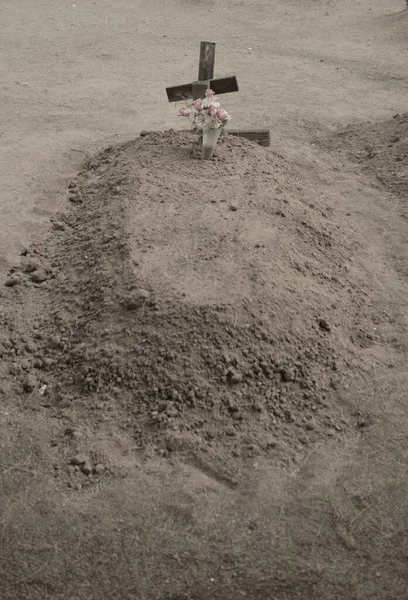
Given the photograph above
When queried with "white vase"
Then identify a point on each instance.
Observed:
(210, 139)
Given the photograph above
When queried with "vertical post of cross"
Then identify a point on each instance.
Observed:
(205, 69)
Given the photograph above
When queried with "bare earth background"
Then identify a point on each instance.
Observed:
(330, 521)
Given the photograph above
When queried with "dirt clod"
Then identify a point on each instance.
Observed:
(325, 325)
(30, 382)
(79, 459)
(38, 276)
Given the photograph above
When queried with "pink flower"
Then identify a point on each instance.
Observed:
(221, 115)
(183, 112)
(209, 93)
(198, 104)
(213, 112)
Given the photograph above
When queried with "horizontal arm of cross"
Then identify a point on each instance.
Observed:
(224, 85)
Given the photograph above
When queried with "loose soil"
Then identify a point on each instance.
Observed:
(203, 364)
(217, 318)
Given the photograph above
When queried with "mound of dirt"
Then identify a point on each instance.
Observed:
(207, 307)
(394, 26)
(381, 149)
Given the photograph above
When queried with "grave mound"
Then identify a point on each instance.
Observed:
(381, 148)
(205, 306)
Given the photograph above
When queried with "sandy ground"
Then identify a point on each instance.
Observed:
(79, 76)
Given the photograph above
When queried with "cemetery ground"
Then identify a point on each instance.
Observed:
(203, 377)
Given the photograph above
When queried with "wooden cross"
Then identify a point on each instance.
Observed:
(205, 81)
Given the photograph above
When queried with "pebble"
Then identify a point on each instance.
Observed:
(233, 207)
(30, 382)
(12, 281)
(288, 375)
(79, 459)
(304, 439)
(30, 267)
(31, 347)
(270, 442)
(235, 377)
(58, 226)
(38, 276)
(86, 468)
(99, 468)
(73, 433)
(325, 325)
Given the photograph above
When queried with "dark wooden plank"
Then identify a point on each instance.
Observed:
(259, 136)
(177, 93)
(207, 61)
(199, 89)
(225, 85)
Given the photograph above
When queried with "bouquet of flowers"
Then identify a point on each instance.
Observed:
(206, 114)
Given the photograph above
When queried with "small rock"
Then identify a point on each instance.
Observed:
(31, 347)
(233, 207)
(231, 432)
(395, 139)
(136, 299)
(304, 439)
(12, 281)
(180, 441)
(79, 459)
(270, 441)
(86, 468)
(323, 324)
(99, 468)
(235, 377)
(58, 226)
(30, 382)
(289, 416)
(38, 276)
(25, 364)
(71, 469)
(30, 267)
(288, 375)
(54, 341)
(73, 433)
